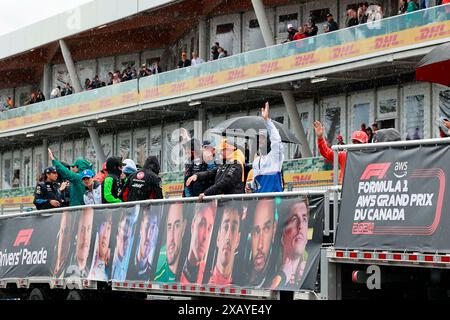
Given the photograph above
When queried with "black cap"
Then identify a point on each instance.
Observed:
(329, 15)
(50, 170)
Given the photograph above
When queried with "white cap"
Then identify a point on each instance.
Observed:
(129, 167)
(289, 26)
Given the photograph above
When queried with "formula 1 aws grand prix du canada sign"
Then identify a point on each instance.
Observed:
(394, 199)
(270, 243)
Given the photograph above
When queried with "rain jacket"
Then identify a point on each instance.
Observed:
(111, 187)
(327, 153)
(144, 184)
(77, 187)
(228, 178)
(267, 175)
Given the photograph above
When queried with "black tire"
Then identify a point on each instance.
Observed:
(74, 295)
(37, 294)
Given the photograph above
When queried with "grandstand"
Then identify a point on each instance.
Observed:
(361, 74)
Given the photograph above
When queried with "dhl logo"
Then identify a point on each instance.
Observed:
(64, 112)
(344, 51)
(46, 116)
(303, 177)
(305, 60)
(432, 32)
(28, 120)
(152, 92)
(178, 87)
(206, 81)
(83, 108)
(127, 97)
(269, 67)
(105, 103)
(387, 41)
(236, 74)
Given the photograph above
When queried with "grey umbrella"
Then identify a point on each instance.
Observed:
(250, 126)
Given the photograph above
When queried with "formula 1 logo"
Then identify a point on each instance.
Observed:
(377, 170)
(23, 237)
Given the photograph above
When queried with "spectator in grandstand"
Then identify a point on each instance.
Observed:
(10, 103)
(196, 59)
(140, 267)
(301, 34)
(116, 78)
(67, 90)
(63, 243)
(222, 53)
(156, 68)
(93, 192)
(144, 71)
(175, 227)
(101, 259)
(215, 51)
(312, 29)
(267, 176)
(39, 96)
(87, 84)
(228, 239)
(79, 267)
(369, 133)
(228, 177)
(374, 12)
(32, 99)
(352, 18)
(184, 62)
(144, 184)
(201, 230)
(291, 32)
(262, 232)
(374, 127)
(411, 6)
(327, 153)
(402, 5)
(362, 12)
(56, 92)
(294, 238)
(331, 24)
(111, 185)
(101, 176)
(110, 78)
(47, 194)
(96, 83)
(77, 187)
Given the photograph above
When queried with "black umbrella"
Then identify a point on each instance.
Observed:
(435, 66)
(250, 126)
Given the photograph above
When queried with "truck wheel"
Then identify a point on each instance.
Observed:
(74, 295)
(37, 294)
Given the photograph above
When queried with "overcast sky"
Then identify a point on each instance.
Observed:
(19, 13)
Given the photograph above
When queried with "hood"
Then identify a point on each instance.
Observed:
(387, 135)
(82, 164)
(152, 163)
(130, 166)
(113, 165)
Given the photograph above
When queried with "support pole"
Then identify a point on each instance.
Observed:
(97, 144)
(46, 81)
(45, 152)
(202, 45)
(288, 96)
(70, 66)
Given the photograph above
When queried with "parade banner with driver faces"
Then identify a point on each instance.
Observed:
(267, 243)
(394, 199)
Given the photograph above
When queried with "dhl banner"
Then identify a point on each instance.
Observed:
(152, 88)
(270, 243)
(296, 62)
(16, 200)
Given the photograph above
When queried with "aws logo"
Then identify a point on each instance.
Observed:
(23, 237)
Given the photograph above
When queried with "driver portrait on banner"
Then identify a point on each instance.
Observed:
(101, 260)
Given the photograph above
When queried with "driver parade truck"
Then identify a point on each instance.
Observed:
(382, 234)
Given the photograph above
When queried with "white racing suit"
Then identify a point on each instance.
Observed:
(267, 175)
